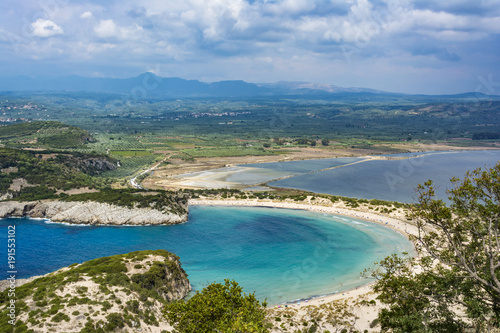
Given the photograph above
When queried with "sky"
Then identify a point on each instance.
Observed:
(409, 46)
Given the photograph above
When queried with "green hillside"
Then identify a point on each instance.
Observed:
(44, 134)
(32, 175)
(115, 293)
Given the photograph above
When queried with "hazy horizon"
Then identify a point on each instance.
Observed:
(291, 85)
(413, 46)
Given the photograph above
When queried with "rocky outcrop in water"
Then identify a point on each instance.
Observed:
(89, 213)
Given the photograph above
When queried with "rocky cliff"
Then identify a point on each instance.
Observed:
(89, 213)
(121, 293)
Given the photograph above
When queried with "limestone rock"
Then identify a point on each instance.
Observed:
(88, 213)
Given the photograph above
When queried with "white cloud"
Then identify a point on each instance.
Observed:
(437, 20)
(105, 29)
(109, 29)
(362, 10)
(443, 25)
(289, 7)
(101, 47)
(87, 15)
(454, 35)
(278, 37)
(490, 24)
(46, 28)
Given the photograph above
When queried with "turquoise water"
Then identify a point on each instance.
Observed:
(393, 180)
(282, 255)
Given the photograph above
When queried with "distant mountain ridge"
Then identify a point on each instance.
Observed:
(146, 84)
(152, 86)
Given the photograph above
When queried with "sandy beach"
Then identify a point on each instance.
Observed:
(397, 222)
(215, 178)
(365, 313)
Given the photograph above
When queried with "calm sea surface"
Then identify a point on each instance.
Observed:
(392, 180)
(282, 255)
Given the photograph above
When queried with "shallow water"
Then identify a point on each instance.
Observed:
(280, 254)
(393, 180)
(305, 166)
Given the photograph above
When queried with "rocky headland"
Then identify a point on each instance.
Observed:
(89, 212)
(121, 293)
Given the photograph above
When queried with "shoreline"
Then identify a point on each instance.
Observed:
(217, 176)
(88, 213)
(395, 223)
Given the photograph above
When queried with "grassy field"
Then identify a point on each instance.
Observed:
(44, 134)
(130, 153)
(130, 165)
(228, 151)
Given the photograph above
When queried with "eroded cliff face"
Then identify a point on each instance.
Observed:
(89, 213)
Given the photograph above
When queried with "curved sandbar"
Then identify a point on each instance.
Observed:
(327, 207)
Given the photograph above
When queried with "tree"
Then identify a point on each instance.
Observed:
(325, 142)
(279, 141)
(459, 265)
(218, 308)
(303, 141)
(417, 302)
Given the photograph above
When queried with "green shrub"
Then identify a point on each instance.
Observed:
(60, 317)
(115, 321)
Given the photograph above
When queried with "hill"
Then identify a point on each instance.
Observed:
(114, 293)
(145, 84)
(44, 134)
(31, 175)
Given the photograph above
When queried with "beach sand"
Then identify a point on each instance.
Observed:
(364, 314)
(396, 222)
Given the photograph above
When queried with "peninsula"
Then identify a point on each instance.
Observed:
(89, 213)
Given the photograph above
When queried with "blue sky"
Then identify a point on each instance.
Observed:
(411, 46)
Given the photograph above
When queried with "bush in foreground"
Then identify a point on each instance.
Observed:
(218, 308)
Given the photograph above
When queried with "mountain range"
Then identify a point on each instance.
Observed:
(152, 86)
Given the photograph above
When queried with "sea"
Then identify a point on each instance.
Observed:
(282, 255)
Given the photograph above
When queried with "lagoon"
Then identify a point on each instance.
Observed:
(393, 179)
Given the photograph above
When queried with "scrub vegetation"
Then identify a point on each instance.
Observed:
(101, 295)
